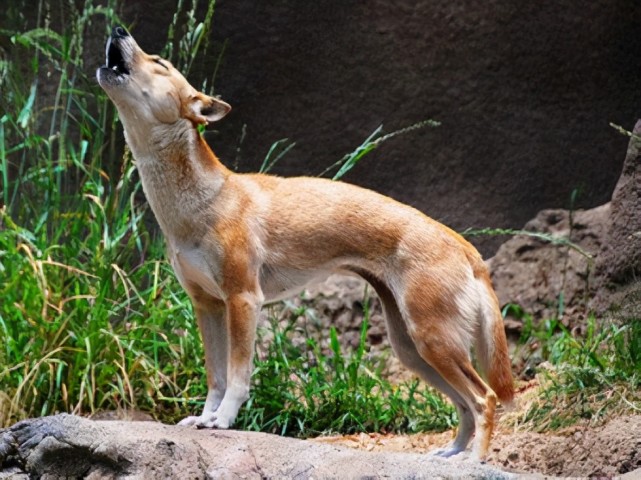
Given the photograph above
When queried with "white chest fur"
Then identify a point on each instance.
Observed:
(195, 267)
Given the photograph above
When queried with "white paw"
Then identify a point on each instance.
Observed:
(447, 452)
(222, 419)
(188, 421)
(222, 423)
(206, 420)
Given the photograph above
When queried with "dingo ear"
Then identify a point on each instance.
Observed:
(204, 109)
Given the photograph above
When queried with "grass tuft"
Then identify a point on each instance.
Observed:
(584, 377)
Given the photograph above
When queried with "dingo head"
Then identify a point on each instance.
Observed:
(148, 91)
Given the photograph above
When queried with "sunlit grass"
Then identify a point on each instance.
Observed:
(585, 377)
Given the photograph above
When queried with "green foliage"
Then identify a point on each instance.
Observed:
(546, 237)
(624, 131)
(350, 160)
(303, 391)
(277, 151)
(280, 148)
(91, 316)
(587, 376)
(188, 38)
(92, 319)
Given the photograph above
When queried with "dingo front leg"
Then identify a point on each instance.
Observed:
(242, 315)
(210, 313)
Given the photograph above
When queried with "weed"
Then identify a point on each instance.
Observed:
(546, 237)
(280, 148)
(91, 316)
(350, 160)
(587, 377)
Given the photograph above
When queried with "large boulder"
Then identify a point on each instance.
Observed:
(551, 273)
(66, 446)
(593, 262)
(618, 266)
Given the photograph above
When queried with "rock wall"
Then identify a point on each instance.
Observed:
(601, 269)
(524, 91)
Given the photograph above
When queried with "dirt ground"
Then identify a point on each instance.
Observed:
(605, 452)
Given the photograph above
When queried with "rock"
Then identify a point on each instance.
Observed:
(339, 302)
(534, 273)
(619, 263)
(620, 258)
(64, 446)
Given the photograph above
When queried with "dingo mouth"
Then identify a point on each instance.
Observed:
(115, 60)
(117, 66)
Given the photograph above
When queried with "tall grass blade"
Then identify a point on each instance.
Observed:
(350, 160)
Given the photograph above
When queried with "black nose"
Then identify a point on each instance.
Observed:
(118, 32)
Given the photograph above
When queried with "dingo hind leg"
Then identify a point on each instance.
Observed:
(410, 357)
(441, 333)
(406, 351)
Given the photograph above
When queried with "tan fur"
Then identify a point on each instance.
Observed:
(238, 241)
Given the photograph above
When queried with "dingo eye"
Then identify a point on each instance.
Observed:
(161, 63)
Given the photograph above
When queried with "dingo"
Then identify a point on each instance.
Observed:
(237, 241)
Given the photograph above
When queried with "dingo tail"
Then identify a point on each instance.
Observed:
(491, 347)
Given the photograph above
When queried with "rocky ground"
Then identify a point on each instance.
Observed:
(65, 446)
(604, 451)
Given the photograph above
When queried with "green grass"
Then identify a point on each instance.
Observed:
(92, 317)
(304, 391)
(586, 377)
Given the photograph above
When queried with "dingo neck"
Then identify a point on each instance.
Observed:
(181, 176)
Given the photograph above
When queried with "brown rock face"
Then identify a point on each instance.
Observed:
(539, 275)
(548, 278)
(620, 260)
(524, 92)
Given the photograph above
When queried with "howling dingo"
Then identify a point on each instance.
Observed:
(237, 241)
